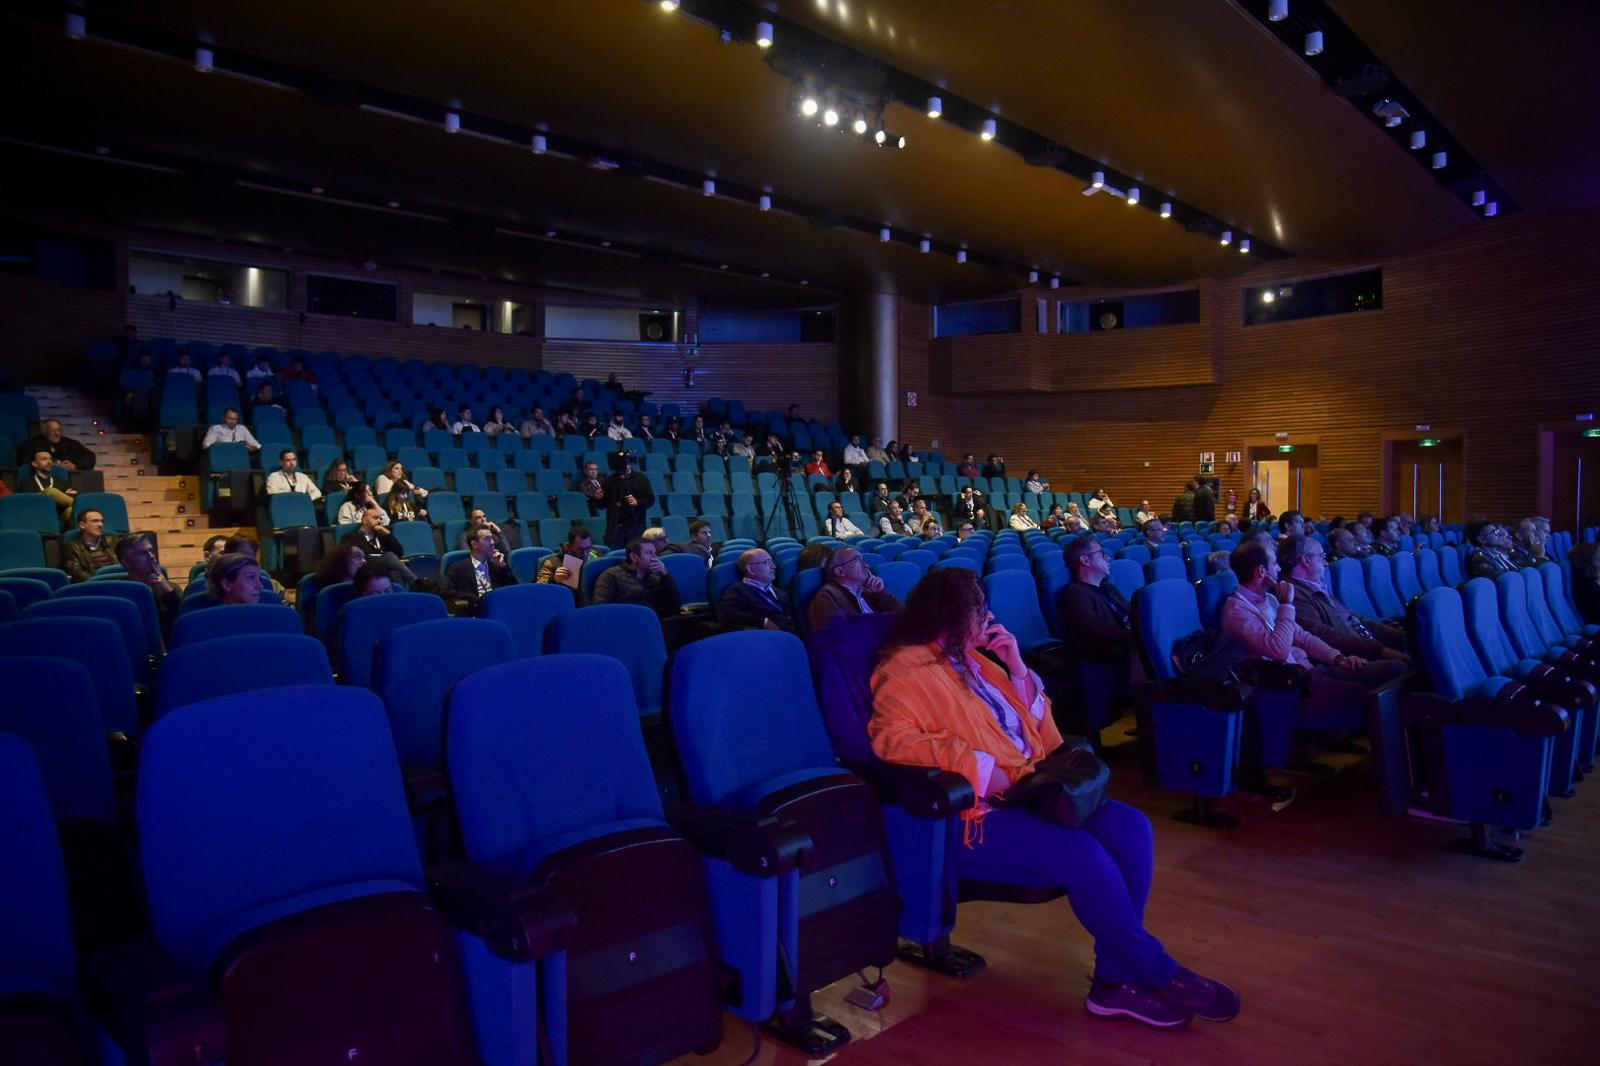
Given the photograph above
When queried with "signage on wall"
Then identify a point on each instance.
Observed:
(1208, 468)
(1208, 458)
(911, 399)
(1233, 457)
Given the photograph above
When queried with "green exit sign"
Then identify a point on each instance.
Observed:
(1429, 442)
(1592, 432)
(1286, 447)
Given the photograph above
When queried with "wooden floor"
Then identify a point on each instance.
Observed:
(1353, 939)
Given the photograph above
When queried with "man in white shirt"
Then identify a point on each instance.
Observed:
(182, 367)
(837, 525)
(617, 430)
(854, 453)
(229, 431)
(224, 369)
(288, 478)
(893, 521)
(262, 371)
(464, 423)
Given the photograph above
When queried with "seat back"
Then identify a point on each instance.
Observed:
(1428, 576)
(743, 712)
(1481, 611)
(21, 548)
(1164, 612)
(120, 613)
(1014, 599)
(1379, 578)
(1350, 589)
(95, 644)
(1166, 566)
(235, 620)
(135, 592)
(191, 674)
(24, 591)
(1450, 566)
(1544, 621)
(1512, 593)
(327, 604)
(628, 632)
(899, 578)
(417, 665)
(527, 610)
(1446, 648)
(1127, 575)
(1555, 593)
(843, 657)
(363, 622)
(266, 804)
(1403, 566)
(691, 575)
(36, 942)
(51, 703)
(30, 511)
(1213, 591)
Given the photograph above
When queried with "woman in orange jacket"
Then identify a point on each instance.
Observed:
(953, 692)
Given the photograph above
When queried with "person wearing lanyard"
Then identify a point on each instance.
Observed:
(850, 588)
(952, 692)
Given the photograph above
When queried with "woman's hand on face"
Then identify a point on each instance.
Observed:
(998, 639)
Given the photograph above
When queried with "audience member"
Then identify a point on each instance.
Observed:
(403, 506)
(1527, 544)
(1493, 556)
(1205, 501)
(879, 500)
(469, 580)
(1034, 483)
(618, 429)
(298, 371)
(846, 482)
(917, 513)
(464, 422)
(699, 542)
(383, 551)
(965, 530)
(1387, 539)
(931, 529)
(579, 545)
(1291, 523)
(994, 466)
(746, 446)
(262, 371)
(264, 396)
(1100, 501)
(339, 478)
(819, 465)
(477, 520)
(64, 452)
(91, 549)
(643, 580)
(939, 702)
(697, 429)
(137, 554)
(223, 368)
(753, 602)
(536, 424)
(370, 581)
(1095, 615)
(41, 478)
(1342, 544)
(1362, 533)
(437, 419)
(627, 499)
(968, 467)
(849, 587)
(1143, 514)
(341, 564)
(1216, 562)
(183, 367)
(1183, 505)
(876, 453)
(1155, 535)
(837, 525)
(646, 431)
(1255, 508)
(893, 520)
(1020, 518)
(1228, 524)
(855, 454)
(1057, 518)
(234, 578)
(229, 431)
(1302, 560)
(288, 478)
(357, 503)
(497, 423)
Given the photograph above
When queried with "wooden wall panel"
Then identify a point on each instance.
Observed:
(1492, 332)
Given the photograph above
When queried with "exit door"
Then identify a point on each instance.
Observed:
(1426, 476)
(1573, 478)
(1288, 480)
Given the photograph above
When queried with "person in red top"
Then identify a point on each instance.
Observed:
(818, 465)
(952, 692)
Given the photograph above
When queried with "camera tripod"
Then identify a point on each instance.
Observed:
(787, 505)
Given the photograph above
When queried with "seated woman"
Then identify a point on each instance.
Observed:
(1021, 519)
(496, 423)
(1107, 522)
(402, 506)
(1034, 483)
(847, 481)
(341, 564)
(338, 478)
(395, 474)
(1056, 517)
(356, 504)
(939, 703)
(233, 578)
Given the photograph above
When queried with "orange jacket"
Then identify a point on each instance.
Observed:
(925, 715)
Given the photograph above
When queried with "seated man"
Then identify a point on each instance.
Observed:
(893, 521)
(182, 365)
(931, 529)
(1528, 543)
(818, 464)
(968, 467)
(1387, 540)
(1302, 559)
(478, 520)
(469, 580)
(1095, 615)
(224, 370)
(643, 580)
(92, 549)
(994, 466)
(618, 429)
(875, 452)
(383, 551)
(854, 453)
(464, 423)
(837, 525)
(229, 431)
(918, 516)
(592, 487)
(1140, 516)
(909, 497)
(879, 501)
(699, 542)
(1342, 544)
(138, 555)
(965, 530)
(753, 602)
(1493, 556)
(288, 477)
(64, 451)
(41, 478)
(1291, 524)
(370, 581)
(849, 588)
(1155, 535)
(579, 545)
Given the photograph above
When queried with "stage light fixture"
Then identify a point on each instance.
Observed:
(1227, 237)
(1491, 209)
(1479, 198)
(881, 136)
(669, 6)
(539, 144)
(1267, 297)
(1277, 10)
(1166, 209)
(708, 187)
(1440, 160)
(935, 107)
(830, 116)
(808, 106)
(452, 122)
(1097, 180)
(1055, 283)
(204, 61)
(1244, 246)
(1133, 196)
(860, 124)
(924, 246)
(883, 234)
(1314, 43)
(961, 255)
(764, 202)
(990, 128)
(1033, 277)
(763, 35)
(1419, 139)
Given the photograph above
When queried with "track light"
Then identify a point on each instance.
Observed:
(1166, 209)
(883, 234)
(935, 107)
(452, 122)
(1277, 10)
(808, 106)
(75, 26)
(764, 202)
(1055, 283)
(539, 144)
(859, 125)
(1033, 277)
(1479, 198)
(1244, 246)
(1440, 160)
(990, 128)
(1419, 139)
(204, 61)
(961, 255)
(830, 116)
(1133, 196)
(924, 246)
(708, 187)
(1314, 43)
(881, 136)
(900, 142)
(1098, 179)
(1491, 209)
(1227, 237)
(669, 6)
(763, 35)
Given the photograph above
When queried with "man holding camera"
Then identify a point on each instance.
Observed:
(628, 497)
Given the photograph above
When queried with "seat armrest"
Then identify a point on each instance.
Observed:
(1561, 690)
(426, 788)
(1212, 695)
(1394, 684)
(153, 1010)
(1524, 716)
(1269, 674)
(518, 920)
(753, 843)
(922, 791)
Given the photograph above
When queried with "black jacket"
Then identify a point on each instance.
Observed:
(1205, 504)
(380, 542)
(461, 583)
(743, 607)
(1097, 620)
(68, 450)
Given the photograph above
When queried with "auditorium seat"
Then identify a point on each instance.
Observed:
(364, 621)
(1403, 567)
(900, 578)
(1127, 575)
(136, 593)
(119, 612)
(1428, 576)
(1378, 576)
(691, 575)
(93, 643)
(30, 511)
(1165, 566)
(20, 548)
(233, 620)
(1214, 590)
(1349, 587)
(1560, 603)
(627, 632)
(24, 590)
(555, 790)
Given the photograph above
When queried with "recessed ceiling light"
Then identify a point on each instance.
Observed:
(808, 106)
(539, 144)
(669, 6)
(961, 255)
(883, 234)
(317, 190)
(860, 124)
(763, 35)
(830, 116)
(935, 107)
(1227, 237)
(1166, 209)
(204, 61)
(75, 27)
(394, 204)
(1098, 179)
(764, 202)
(1277, 10)
(1244, 246)
(989, 129)
(1055, 283)
(452, 122)
(1314, 43)
(924, 246)
(1133, 196)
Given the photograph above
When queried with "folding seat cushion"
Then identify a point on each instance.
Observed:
(629, 633)
(363, 622)
(236, 620)
(279, 856)
(214, 668)
(120, 613)
(93, 643)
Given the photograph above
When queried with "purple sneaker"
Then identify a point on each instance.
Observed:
(1211, 1000)
(1108, 999)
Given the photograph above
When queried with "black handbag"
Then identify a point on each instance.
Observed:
(1066, 787)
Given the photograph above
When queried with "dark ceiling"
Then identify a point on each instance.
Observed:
(1196, 100)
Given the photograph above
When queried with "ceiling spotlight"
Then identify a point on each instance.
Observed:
(669, 6)
(808, 106)
(764, 202)
(880, 136)
(804, 281)
(1419, 139)
(763, 35)
(1166, 209)
(1267, 296)
(539, 144)
(1314, 43)
(1440, 160)
(1227, 237)
(1479, 198)
(935, 107)
(452, 122)
(1244, 246)
(1277, 10)
(924, 246)
(75, 26)
(830, 116)
(708, 187)
(900, 142)
(961, 255)
(1033, 277)
(989, 129)
(1391, 111)
(883, 234)
(1098, 179)
(203, 60)
(860, 124)
(1133, 196)
(1055, 283)
(1491, 209)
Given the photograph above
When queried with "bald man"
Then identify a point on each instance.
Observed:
(753, 602)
